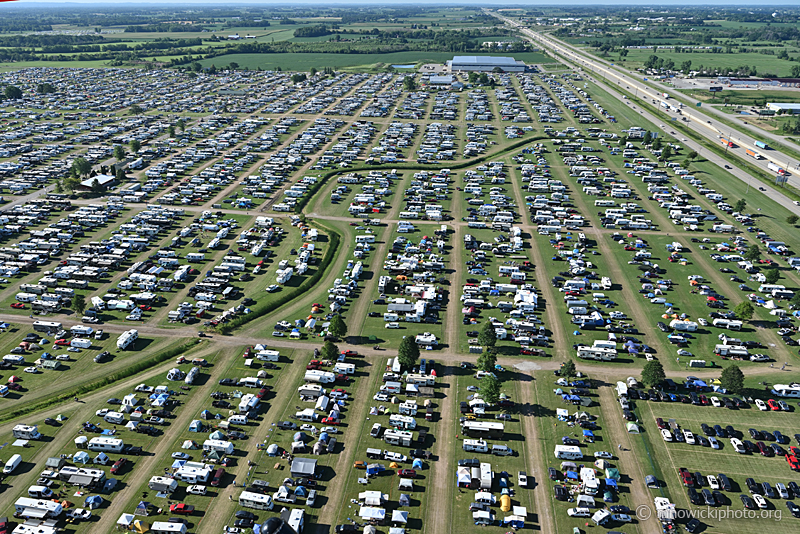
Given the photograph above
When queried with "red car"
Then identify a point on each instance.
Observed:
(773, 405)
(61, 342)
(794, 463)
(408, 473)
(119, 464)
(686, 477)
(4, 525)
(145, 307)
(342, 378)
(330, 421)
(17, 305)
(313, 365)
(349, 353)
(181, 508)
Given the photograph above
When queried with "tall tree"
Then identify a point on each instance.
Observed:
(135, 109)
(753, 253)
(732, 379)
(740, 205)
(653, 373)
(772, 276)
(408, 352)
(744, 310)
(490, 389)
(119, 153)
(409, 84)
(79, 304)
(12, 92)
(486, 361)
(337, 327)
(81, 166)
(329, 351)
(568, 369)
(135, 145)
(487, 336)
(96, 187)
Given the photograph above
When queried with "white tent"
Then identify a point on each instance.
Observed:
(396, 530)
(132, 425)
(370, 529)
(371, 512)
(633, 428)
(125, 520)
(372, 498)
(399, 516)
(189, 444)
(81, 458)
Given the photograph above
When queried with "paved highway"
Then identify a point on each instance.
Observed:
(699, 122)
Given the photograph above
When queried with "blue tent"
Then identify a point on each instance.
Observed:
(93, 501)
(588, 433)
(572, 474)
(323, 437)
(503, 482)
(611, 483)
(178, 464)
(301, 491)
(514, 520)
(700, 383)
(417, 464)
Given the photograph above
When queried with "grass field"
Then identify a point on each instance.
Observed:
(763, 63)
(743, 98)
(303, 62)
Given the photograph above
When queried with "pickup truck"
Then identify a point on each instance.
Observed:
(394, 456)
(181, 508)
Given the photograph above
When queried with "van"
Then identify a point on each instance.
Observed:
(216, 478)
(12, 464)
(502, 450)
(38, 492)
(331, 445)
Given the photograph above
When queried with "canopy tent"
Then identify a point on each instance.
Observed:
(406, 483)
(369, 529)
(372, 498)
(400, 516)
(463, 478)
(393, 530)
(404, 500)
(131, 425)
(514, 521)
(372, 513)
(125, 520)
(143, 508)
(571, 475)
(81, 458)
(416, 464)
(177, 464)
(611, 483)
(93, 501)
(189, 445)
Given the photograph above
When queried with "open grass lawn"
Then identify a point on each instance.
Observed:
(743, 98)
(303, 62)
(764, 63)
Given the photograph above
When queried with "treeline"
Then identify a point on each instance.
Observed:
(312, 31)
(164, 28)
(29, 41)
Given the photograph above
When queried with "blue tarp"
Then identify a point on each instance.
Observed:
(572, 474)
(588, 433)
(611, 483)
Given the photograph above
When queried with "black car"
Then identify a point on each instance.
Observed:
(753, 486)
(242, 514)
(662, 327)
(418, 453)
(346, 528)
(767, 435)
(797, 438)
(561, 493)
(50, 421)
(750, 446)
(678, 435)
(793, 508)
(692, 525)
(553, 473)
(644, 395)
(794, 488)
(227, 382)
(719, 498)
(114, 401)
(708, 498)
(731, 431)
(719, 431)
(469, 462)
(707, 430)
(619, 509)
(780, 438)
(755, 434)
(741, 403)
(729, 404)
(724, 482)
(570, 441)
(628, 415)
(235, 434)
(777, 449)
(699, 478)
(702, 441)
(694, 496)
(748, 502)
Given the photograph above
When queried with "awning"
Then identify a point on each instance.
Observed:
(38, 513)
(81, 480)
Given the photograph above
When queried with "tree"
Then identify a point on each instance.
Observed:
(740, 205)
(79, 304)
(313, 71)
(753, 253)
(653, 373)
(487, 336)
(135, 145)
(795, 301)
(692, 155)
(12, 92)
(337, 327)
(71, 184)
(196, 66)
(744, 310)
(120, 174)
(329, 351)
(408, 352)
(233, 65)
(409, 84)
(171, 131)
(59, 188)
(657, 144)
(792, 219)
(135, 109)
(81, 167)
(96, 187)
(490, 389)
(666, 153)
(487, 361)
(568, 369)
(647, 138)
(119, 153)
(181, 124)
(772, 276)
(732, 379)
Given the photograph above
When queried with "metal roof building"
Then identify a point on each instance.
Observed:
(484, 64)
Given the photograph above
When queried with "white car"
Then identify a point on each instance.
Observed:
(783, 493)
(603, 454)
(63, 357)
(392, 325)
(32, 370)
(102, 412)
(381, 397)
(579, 512)
(473, 389)
(759, 403)
(308, 428)
(738, 446)
(713, 483)
(522, 479)
(760, 501)
(684, 352)
(181, 456)
(666, 435)
(278, 334)
(702, 321)
(689, 437)
(759, 358)
(713, 442)
(330, 429)
(73, 349)
(796, 203)
(273, 288)
(616, 315)
(716, 402)
(196, 490)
